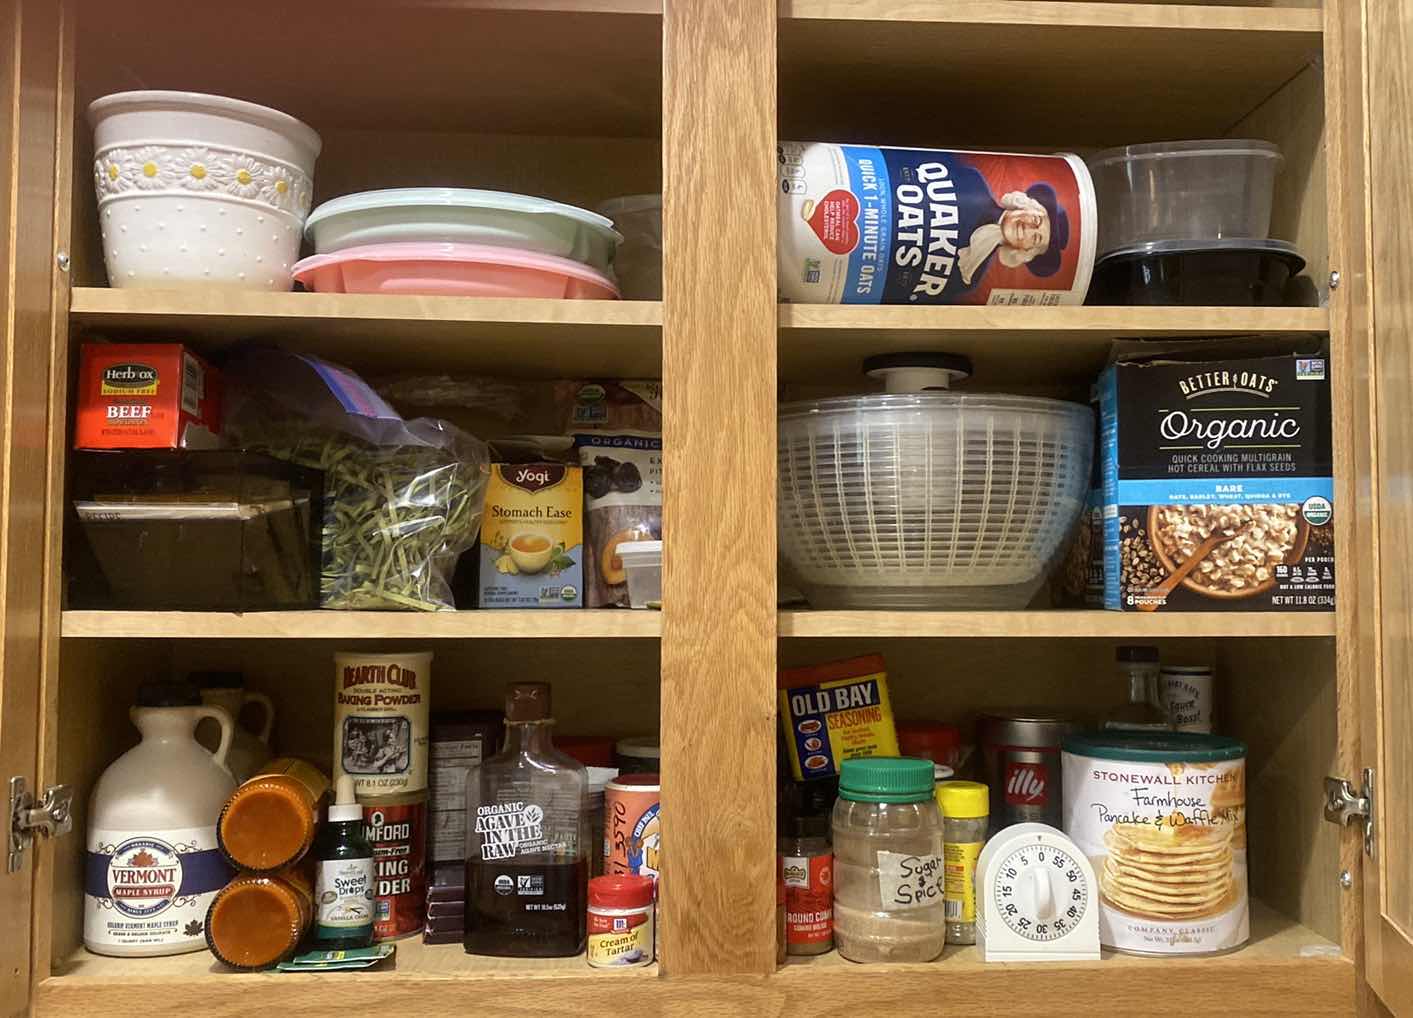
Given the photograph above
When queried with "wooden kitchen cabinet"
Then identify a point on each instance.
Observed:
(586, 99)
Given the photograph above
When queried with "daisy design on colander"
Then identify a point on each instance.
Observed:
(200, 170)
(152, 170)
(245, 177)
(113, 171)
(277, 187)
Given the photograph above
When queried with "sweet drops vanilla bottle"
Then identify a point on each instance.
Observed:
(527, 839)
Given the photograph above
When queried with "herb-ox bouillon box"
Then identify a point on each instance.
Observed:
(1225, 462)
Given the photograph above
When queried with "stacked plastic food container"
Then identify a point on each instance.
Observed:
(458, 242)
(1189, 223)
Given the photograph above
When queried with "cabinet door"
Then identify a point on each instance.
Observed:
(28, 112)
(1386, 689)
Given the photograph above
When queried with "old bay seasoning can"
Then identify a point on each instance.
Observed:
(382, 705)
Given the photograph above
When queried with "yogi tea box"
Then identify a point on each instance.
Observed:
(532, 537)
(1218, 492)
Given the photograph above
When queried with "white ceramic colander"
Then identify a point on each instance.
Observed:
(924, 498)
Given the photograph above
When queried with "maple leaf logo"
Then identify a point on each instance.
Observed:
(142, 858)
(193, 928)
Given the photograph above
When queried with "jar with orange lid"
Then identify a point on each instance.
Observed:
(269, 822)
(258, 920)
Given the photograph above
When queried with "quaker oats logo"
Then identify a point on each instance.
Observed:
(144, 876)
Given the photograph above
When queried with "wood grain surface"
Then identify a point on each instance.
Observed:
(1285, 972)
(29, 37)
(1388, 897)
(370, 625)
(719, 338)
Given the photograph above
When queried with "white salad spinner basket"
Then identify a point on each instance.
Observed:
(923, 498)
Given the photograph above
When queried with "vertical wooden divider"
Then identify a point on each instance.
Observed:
(719, 346)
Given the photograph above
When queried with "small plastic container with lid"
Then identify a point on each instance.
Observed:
(889, 883)
(269, 822)
(620, 921)
(966, 807)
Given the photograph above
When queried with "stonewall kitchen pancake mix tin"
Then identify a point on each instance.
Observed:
(1162, 818)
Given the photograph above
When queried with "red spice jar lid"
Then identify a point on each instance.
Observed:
(589, 750)
(627, 891)
(931, 740)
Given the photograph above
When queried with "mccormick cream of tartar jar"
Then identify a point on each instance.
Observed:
(620, 921)
(1162, 818)
(860, 224)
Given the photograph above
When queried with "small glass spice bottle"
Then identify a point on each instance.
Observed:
(257, 921)
(269, 822)
(807, 866)
(965, 810)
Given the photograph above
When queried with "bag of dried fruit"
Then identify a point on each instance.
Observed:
(617, 430)
(402, 498)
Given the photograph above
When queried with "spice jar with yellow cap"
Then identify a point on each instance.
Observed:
(965, 809)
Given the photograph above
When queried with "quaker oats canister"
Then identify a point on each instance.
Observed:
(1162, 817)
(859, 224)
(382, 706)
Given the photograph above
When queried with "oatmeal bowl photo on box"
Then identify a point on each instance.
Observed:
(1218, 492)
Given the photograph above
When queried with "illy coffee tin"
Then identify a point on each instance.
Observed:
(397, 829)
(1162, 817)
(1020, 762)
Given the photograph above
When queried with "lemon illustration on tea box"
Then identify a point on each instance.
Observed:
(532, 537)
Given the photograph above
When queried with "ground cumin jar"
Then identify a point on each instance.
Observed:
(268, 823)
(258, 921)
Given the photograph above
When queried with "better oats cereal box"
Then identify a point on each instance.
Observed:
(1218, 492)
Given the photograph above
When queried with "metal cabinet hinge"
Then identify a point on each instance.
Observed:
(48, 816)
(1345, 804)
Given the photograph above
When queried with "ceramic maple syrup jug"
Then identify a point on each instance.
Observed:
(249, 751)
(152, 865)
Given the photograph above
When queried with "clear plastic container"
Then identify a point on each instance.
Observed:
(638, 263)
(1184, 190)
(889, 881)
(642, 562)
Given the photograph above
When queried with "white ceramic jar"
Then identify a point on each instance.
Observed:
(200, 190)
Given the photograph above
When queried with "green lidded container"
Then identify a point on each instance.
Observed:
(886, 779)
(1155, 747)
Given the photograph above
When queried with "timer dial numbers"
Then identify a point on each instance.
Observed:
(1041, 893)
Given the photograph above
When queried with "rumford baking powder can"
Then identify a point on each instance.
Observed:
(397, 829)
(1020, 761)
(632, 828)
(860, 224)
(1162, 818)
(381, 714)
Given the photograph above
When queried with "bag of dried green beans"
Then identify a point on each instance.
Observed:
(402, 499)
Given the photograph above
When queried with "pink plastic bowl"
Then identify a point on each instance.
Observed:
(452, 270)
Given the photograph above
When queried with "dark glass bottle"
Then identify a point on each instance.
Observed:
(526, 839)
(343, 890)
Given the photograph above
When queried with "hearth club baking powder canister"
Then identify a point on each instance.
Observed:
(381, 716)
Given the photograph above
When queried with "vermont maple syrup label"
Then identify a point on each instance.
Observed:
(866, 225)
(151, 889)
(382, 706)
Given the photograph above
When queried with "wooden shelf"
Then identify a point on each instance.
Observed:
(419, 978)
(1052, 624)
(1095, 74)
(827, 343)
(1284, 962)
(353, 625)
(609, 624)
(550, 338)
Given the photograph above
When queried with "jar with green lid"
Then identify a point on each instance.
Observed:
(889, 884)
(966, 806)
